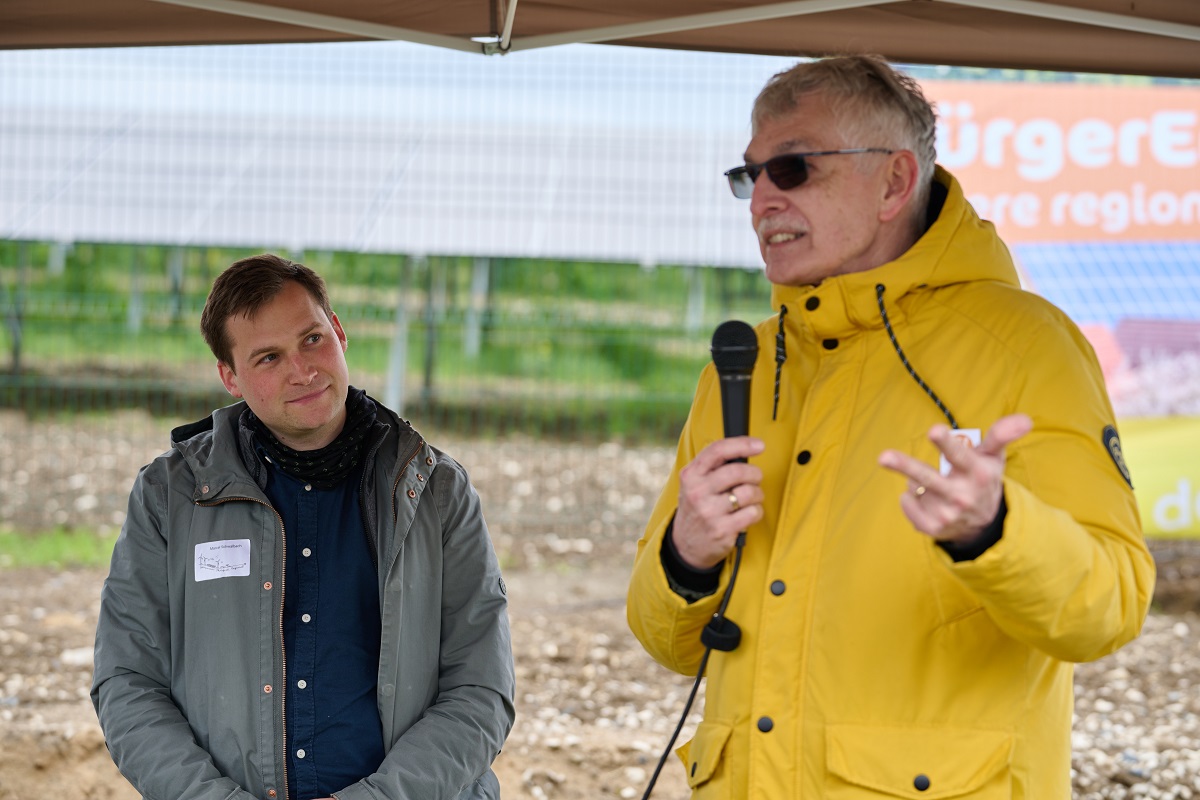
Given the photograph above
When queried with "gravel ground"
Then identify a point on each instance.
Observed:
(593, 710)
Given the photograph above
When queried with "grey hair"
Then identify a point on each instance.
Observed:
(871, 102)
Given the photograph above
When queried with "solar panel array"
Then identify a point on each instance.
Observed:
(390, 149)
(1103, 283)
(583, 153)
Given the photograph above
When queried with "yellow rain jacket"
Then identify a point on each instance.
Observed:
(871, 664)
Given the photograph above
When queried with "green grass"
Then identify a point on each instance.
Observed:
(56, 548)
(574, 347)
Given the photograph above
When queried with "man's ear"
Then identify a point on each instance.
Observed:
(337, 331)
(900, 184)
(229, 379)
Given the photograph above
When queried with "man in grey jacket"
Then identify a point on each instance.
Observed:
(304, 601)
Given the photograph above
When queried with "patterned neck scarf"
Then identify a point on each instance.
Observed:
(333, 463)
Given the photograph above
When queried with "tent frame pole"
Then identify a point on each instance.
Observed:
(794, 8)
(326, 22)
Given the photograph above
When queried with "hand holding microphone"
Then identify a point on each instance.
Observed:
(720, 495)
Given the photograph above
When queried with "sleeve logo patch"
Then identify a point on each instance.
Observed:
(1112, 443)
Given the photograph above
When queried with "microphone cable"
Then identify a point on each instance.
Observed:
(719, 625)
(734, 351)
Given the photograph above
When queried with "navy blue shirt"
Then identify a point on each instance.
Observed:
(330, 636)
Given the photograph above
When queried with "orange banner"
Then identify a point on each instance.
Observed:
(1055, 162)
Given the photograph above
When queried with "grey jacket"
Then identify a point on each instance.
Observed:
(189, 678)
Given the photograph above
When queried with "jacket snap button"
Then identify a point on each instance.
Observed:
(388, 690)
(803, 457)
(204, 489)
(429, 460)
(270, 792)
(267, 689)
(420, 477)
(812, 303)
(765, 724)
(412, 493)
(830, 344)
(778, 588)
(267, 586)
(921, 783)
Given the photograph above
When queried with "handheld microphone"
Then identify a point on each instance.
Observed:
(734, 351)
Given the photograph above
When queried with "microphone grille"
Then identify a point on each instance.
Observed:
(734, 347)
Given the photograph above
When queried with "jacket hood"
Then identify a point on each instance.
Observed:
(210, 449)
(958, 247)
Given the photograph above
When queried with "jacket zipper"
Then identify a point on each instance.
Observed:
(400, 475)
(372, 536)
(282, 649)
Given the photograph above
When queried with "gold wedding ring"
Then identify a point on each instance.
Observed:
(734, 504)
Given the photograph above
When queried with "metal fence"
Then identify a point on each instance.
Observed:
(471, 344)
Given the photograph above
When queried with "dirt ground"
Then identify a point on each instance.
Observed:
(593, 710)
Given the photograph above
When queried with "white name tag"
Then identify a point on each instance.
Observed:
(225, 559)
(969, 436)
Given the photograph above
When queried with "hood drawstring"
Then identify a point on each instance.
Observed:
(780, 357)
(879, 290)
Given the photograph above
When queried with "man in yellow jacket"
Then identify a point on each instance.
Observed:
(939, 521)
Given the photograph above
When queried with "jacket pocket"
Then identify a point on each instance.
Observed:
(702, 755)
(925, 763)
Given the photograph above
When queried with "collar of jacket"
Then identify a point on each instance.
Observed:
(958, 247)
(223, 460)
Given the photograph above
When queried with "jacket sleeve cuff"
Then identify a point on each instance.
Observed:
(969, 551)
(686, 581)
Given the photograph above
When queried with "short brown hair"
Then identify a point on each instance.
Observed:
(868, 98)
(245, 287)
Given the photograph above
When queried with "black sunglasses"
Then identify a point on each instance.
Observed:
(787, 171)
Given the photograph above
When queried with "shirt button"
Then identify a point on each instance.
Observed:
(778, 588)
(803, 457)
(308, 487)
(306, 552)
(812, 303)
(306, 618)
(830, 344)
(302, 684)
(765, 724)
(300, 753)
(921, 783)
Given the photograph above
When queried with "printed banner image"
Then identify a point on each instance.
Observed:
(1066, 162)
(1162, 453)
